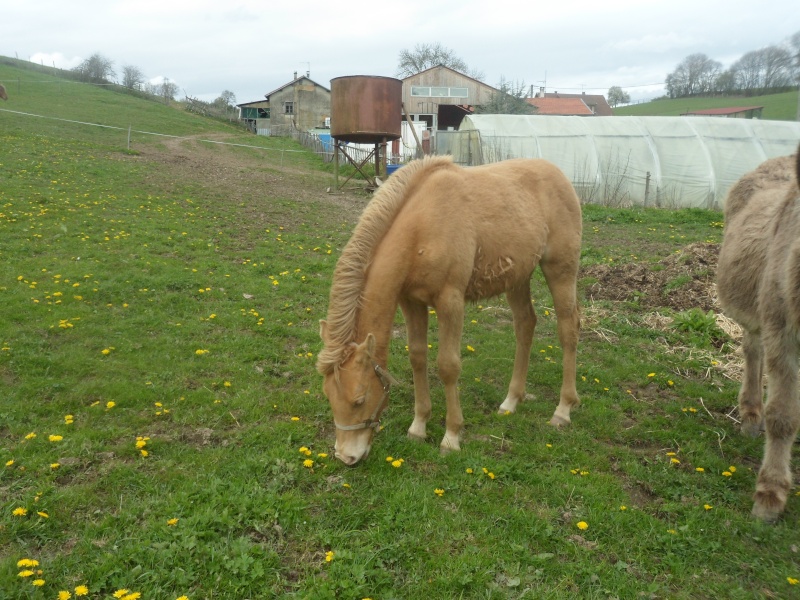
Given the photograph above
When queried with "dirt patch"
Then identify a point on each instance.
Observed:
(680, 281)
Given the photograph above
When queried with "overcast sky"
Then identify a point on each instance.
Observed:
(252, 47)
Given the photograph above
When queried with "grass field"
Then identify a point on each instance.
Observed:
(163, 432)
(779, 107)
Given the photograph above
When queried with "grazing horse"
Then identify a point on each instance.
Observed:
(437, 235)
(758, 284)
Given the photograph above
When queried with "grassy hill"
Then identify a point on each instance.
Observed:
(778, 107)
(164, 434)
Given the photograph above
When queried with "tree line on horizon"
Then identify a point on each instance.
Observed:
(775, 68)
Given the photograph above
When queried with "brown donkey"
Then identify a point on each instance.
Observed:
(437, 235)
(758, 283)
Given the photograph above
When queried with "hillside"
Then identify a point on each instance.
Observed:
(777, 107)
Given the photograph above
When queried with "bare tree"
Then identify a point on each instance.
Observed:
(509, 99)
(764, 69)
(97, 68)
(132, 77)
(167, 90)
(695, 74)
(226, 99)
(616, 96)
(425, 56)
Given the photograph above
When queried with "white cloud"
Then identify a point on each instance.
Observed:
(56, 59)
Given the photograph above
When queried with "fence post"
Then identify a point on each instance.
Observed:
(647, 188)
(129, 137)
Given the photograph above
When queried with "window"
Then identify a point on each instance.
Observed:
(439, 92)
(249, 112)
(288, 108)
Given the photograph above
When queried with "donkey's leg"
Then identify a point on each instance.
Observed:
(416, 316)
(562, 280)
(450, 311)
(782, 420)
(519, 298)
(751, 393)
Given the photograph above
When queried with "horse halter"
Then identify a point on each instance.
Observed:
(374, 421)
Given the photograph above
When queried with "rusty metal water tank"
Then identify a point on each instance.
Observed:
(366, 109)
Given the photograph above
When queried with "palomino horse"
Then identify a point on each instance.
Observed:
(758, 283)
(435, 235)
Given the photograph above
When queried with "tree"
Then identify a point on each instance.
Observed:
(695, 74)
(616, 96)
(132, 77)
(226, 99)
(167, 90)
(425, 56)
(508, 100)
(96, 68)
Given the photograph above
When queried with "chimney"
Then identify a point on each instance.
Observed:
(295, 74)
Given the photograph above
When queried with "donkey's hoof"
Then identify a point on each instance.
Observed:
(768, 506)
(752, 428)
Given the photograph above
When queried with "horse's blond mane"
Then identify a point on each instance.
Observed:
(351, 270)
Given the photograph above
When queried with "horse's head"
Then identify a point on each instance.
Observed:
(358, 391)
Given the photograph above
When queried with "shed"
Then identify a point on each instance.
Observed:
(735, 112)
(651, 161)
(560, 106)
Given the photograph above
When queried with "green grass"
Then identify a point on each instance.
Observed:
(777, 107)
(191, 302)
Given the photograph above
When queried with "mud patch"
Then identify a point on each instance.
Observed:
(680, 281)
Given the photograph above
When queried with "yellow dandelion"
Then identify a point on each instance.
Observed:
(672, 532)
(792, 580)
(55, 438)
(651, 374)
(439, 492)
(295, 418)
(10, 462)
(582, 525)
(732, 469)
(82, 590)
(623, 507)
(26, 573)
(64, 595)
(322, 455)
(700, 470)
(490, 475)
(121, 593)
(172, 522)
(110, 404)
(397, 464)
(470, 348)
(133, 596)
(329, 555)
(674, 461)
(54, 465)
(707, 506)
(20, 511)
(308, 463)
(105, 351)
(469, 471)
(727, 474)
(38, 582)
(43, 514)
(182, 598)
(27, 562)
(30, 436)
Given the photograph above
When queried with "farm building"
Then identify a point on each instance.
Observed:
(595, 102)
(302, 104)
(442, 97)
(647, 161)
(731, 112)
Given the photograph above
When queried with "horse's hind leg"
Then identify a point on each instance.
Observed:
(782, 420)
(519, 298)
(416, 316)
(562, 280)
(751, 393)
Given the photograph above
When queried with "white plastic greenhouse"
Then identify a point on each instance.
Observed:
(676, 162)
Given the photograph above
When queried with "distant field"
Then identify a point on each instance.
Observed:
(778, 107)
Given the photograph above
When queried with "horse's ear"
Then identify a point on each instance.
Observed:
(323, 330)
(370, 345)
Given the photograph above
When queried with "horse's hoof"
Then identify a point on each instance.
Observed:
(559, 422)
(768, 506)
(445, 450)
(415, 437)
(449, 444)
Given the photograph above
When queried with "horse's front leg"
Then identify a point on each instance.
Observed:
(519, 299)
(450, 311)
(416, 316)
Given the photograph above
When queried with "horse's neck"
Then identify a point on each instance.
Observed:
(379, 306)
